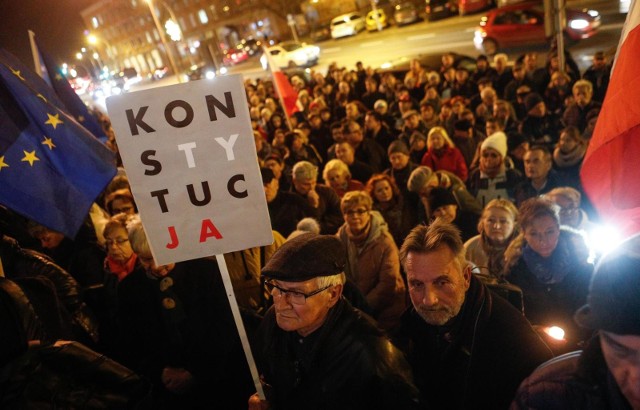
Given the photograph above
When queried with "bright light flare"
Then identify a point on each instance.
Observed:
(604, 239)
(555, 332)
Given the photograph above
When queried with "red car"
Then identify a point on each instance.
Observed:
(473, 6)
(523, 24)
(234, 56)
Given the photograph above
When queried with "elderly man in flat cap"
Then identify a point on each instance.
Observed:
(606, 375)
(315, 351)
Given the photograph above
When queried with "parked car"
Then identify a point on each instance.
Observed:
(200, 71)
(523, 24)
(348, 24)
(320, 33)
(405, 13)
(439, 9)
(234, 56)
(291, 54)
(429, 61)
(474, 6)
(377, 18)
(250, 46)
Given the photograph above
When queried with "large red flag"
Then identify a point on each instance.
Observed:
(610, 172)
(288, 96)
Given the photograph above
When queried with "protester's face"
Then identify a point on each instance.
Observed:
(344, 152)
(275, 166)
(118, 245)
(304, 185)
(497, 224)
(490, 160)
(357, 218)
(306, 318)
(147, 262)
(437, 284)
(539, 110)
(122, 206)
(337, 135)
(566, 143)
(542, 235)
(398, 160)
(50, 239)
(355, 135)
(500, 111)
(437, 140)
(271, 189)
(352, 111)
(337, 179)
(536, 165)
(427, 112)
(491, 127)
(412, 121)
(446, 213)
(382, 191)
(582, 96)
(622, 355)
(569, 212)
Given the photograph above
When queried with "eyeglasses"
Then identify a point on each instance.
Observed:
(358, 212)
(117, 241)
(294, 296)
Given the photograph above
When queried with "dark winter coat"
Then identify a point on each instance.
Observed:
(574, 381)
(346, 364)
(476, 362)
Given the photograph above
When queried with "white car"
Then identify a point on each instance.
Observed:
(348, 24)
(292, 54)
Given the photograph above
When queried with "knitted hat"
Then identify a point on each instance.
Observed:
(398, 146)
(305, 257)
(496, 141)
(514, 140)
(409, 114)
(531, 100)
(613, 303)
(439, 197)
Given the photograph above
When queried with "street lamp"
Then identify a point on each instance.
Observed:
(93, 40)
(163, 39)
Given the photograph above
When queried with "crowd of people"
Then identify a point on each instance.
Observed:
(429, 228)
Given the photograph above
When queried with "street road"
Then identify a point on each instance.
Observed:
(451, 34)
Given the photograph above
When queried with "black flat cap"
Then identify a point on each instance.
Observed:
(305, 257)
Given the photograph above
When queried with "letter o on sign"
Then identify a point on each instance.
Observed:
(168, 113)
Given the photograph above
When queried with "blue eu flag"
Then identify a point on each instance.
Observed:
(51, 168)
(68, 96)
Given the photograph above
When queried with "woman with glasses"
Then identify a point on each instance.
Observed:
(120, 260)
(372, 258)
(549, 263)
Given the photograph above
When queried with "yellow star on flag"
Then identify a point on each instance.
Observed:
(58, 76)
(2, 163)
(42, 97)
(54, 120)
(80, 118)
(30, 157)
(17, 74)
(49, 143)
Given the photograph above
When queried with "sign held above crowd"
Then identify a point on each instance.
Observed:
(189, 153)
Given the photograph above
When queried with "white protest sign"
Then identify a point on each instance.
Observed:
(189, 153)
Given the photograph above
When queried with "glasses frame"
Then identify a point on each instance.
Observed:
(284, 292)
(118, 242)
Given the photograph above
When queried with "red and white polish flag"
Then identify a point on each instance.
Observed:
(288, 95)
(611, 168)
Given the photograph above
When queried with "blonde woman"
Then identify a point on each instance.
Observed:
(497, 227)
(442, 154)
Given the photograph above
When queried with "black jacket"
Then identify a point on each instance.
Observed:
(345, 364)
(476, 362)
(574, 381)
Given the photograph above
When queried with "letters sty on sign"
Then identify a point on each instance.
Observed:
(189, 154)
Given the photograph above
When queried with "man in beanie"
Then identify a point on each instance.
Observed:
(444, 206)
(315, 350)
(468, 348)
(539, 126)
(606, 375)
(492, 180)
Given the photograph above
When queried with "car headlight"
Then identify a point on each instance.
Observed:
(593, 13)
(210, 74)
(578, 24)
(263, 62)
(223, 70)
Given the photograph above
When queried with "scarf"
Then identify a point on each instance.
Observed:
(495, 254)
(121, 270)
(569, 159)
(552, 269)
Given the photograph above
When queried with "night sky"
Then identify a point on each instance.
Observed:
(57, 24)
